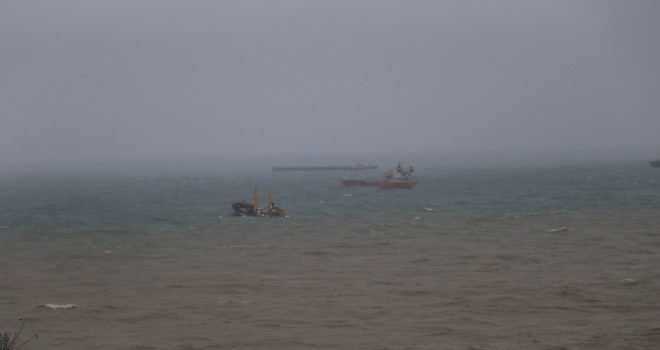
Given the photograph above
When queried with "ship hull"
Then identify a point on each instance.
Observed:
(243, 209)
(246, 209)
(360, 166)
(396, 177)
(239, 212)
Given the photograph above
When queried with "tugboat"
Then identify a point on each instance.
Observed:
(252, 209)
(393, 178)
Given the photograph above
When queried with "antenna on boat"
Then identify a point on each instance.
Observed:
(270, 202)
(254, 198)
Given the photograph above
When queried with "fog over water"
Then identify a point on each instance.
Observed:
(529, 124)
(132, 80)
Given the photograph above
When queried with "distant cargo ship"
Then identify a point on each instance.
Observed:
(393, 178)
(353, 166)
(655, 163)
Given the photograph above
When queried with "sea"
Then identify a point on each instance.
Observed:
(482, 254)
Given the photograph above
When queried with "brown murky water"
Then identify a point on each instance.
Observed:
(447, 282)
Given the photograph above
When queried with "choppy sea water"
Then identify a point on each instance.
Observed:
(523, 257)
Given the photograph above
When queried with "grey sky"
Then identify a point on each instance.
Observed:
(151, 79)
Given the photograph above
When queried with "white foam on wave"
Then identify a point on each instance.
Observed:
(60, 306)
(629, 281)
(561, 229)
(430, 209)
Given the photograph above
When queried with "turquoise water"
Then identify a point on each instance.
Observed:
(172, 196)
(512, 255)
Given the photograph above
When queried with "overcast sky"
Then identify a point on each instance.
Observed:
(135, 79)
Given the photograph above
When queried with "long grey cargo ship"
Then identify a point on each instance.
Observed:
(353, 166)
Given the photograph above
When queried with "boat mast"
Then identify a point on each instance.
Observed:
(254, 198)
(270, 202)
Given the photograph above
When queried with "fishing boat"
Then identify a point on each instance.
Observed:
(396, 177)
(244, 208)
(655, 163)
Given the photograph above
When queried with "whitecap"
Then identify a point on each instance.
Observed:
(561, 229)
(60, 306)
(430, 209)
(629, 281)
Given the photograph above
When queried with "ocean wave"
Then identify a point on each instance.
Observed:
(58, 306)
